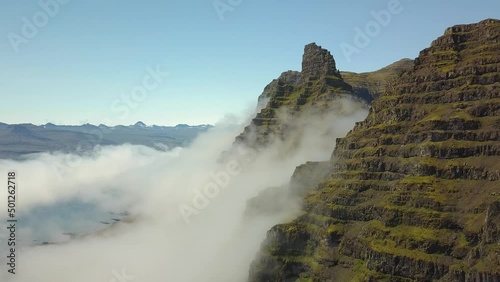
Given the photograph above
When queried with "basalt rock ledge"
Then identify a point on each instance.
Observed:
(414, 190)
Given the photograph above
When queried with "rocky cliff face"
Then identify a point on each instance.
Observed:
(317, 63)
(315, 90)
(414, 193)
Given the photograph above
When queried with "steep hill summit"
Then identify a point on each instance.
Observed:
(317, 63)
(315, 88)
(414, 194)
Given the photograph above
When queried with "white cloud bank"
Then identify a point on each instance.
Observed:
(158, 244)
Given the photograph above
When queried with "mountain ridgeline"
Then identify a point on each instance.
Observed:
(412, 193)
(314, 91)
(19, 140)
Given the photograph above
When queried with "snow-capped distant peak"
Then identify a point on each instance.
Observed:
(140, 124)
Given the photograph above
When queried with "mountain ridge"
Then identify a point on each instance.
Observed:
(316, 88)
(17, 140)
(413, 193)
(374, 83)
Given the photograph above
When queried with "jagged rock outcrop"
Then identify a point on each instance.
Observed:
(414, 192)
(317, 63)
(315, 90)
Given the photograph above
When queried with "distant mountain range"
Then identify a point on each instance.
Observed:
(17, 140)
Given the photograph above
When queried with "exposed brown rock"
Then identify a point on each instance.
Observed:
(317, 62)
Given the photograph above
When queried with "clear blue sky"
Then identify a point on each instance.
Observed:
(91, 52)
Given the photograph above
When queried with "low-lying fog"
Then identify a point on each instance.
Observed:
(181, 211)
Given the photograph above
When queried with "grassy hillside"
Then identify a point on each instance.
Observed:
(374, 83)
